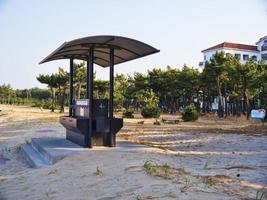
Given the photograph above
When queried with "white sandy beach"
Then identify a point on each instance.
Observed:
(187, 165)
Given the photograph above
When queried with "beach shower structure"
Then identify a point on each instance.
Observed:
(91, 121)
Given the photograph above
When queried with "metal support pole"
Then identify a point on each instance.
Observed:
(71, 87)
(89, 95)
(111, 88)
(111, 83)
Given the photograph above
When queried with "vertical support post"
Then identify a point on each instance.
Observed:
(71, 88)
(112, 142)
(111, 83)
(89, 95)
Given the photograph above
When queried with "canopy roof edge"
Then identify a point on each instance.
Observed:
(125, 49)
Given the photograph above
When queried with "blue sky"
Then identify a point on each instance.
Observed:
(31, 29)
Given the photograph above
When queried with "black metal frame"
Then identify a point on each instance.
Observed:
(111, 88)
(71, 87)
(89, 94)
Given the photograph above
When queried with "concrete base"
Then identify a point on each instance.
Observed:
(47, 151)
(33, 157)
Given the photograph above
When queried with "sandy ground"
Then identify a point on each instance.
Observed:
(207, 159)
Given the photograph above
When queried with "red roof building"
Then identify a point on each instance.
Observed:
(243, 51)
(230, 45)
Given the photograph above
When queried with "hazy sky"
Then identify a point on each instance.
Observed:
(31, 29)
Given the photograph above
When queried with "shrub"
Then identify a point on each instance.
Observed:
(150, 111)
(128, 113)
(36, 103)
(149, 104)
(47, 105)
(190, 113)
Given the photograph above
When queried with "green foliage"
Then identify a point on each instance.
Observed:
(38, 93)
(45, 104)
(121, 84)
(101, 89)
(216, 69)
(58, 84)
(79, 78)
(260, 194)
(99, 172)
(37, 103)
(209, 181)
(22, 96)
(206, 166)
(150, 112)
(128, 113)
(167, 170)
(190, 113)
(149, 104)
(160, 89)
(147, 98)
(150, 167)
(186, 185)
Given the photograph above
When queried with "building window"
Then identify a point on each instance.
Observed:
(200, 64)
(228, 54)
(238, 55)
(204, 57)
(254, 58)
(264, 47)
(245, 57)
(264, 56)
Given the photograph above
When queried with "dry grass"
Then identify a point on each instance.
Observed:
(163, 170)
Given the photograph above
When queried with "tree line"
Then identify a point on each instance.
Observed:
(224, 85)
(31, 96)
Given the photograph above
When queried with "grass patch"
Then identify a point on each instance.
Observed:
(260, 194)
(150, 167)
(209, 181)
(138, 197)
(165, 171)
(185, 186)
(99, 172)
(155, 169)
(15, 149)
(206, 166)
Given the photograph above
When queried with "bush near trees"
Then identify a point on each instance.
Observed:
(149, 104)
(150, 112)
(190, 113)
(128, 113)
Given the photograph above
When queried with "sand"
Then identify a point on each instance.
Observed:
(184, 161)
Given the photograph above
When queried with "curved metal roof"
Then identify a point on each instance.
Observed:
(125, 49)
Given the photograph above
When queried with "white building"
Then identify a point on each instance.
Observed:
(242, 51)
